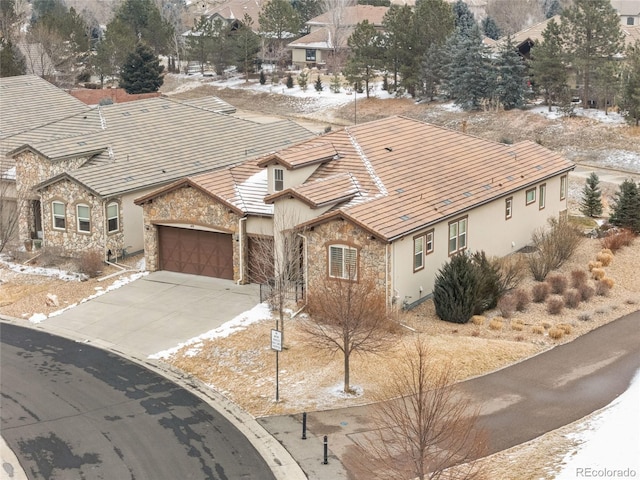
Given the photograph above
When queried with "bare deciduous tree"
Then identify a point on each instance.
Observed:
(515, 15)
(338, 28)
(428, 430)
(348, 316)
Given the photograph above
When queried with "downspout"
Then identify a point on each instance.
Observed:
(387, 282)
(241, 251)
(306, 268)
(105, 227)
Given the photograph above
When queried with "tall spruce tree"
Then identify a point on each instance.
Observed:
(365, 44)
(511, 76)
(398, 25)
(630, 102)
(591, 203)
(141, 72)
(626, 207)
(490, 28)
(547, 64)
(12, 62)
(464, 19)
(591, 35)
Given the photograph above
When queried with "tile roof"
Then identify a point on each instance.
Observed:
(353, 15)
(340, 187)
(631, 34)
(411, 174)
(532, 33)
(152, 142)
(28, 101)
(301, 155)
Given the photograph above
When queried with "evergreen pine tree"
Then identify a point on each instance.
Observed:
(552, 8)
(511, 77)
(318, 85)
(336, 84)
(263, 77)
(12, 62)
(455, 291)
(626, 207)
(630, 102)
(490, 28)
(141, 72)
(432, 70)
(547, 64)
(591, 204)
(289, 81)
(463, 17)
(303, 80)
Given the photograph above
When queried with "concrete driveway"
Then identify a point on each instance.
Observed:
(155, 312)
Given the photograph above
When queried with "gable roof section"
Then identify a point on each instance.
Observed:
(530, 34)
(28, 101)
(302, 155)
(340, 187)
(411, 174)
(156, 141)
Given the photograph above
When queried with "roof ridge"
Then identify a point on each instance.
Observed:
(367, 163)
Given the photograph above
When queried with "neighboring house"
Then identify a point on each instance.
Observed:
(37, 60)
(525, 39)
(231, 11)
(26, 102)
(390, 200)
(82, 173)
(329, 33)
(629, 11)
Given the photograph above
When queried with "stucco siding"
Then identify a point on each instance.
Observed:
(292, 178)
(132, 222)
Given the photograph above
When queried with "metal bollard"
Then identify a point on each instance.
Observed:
(326, 450)
(304, 425)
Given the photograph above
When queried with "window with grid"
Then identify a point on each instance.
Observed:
(84, 218)
(418, 253)
(343, 262)
(59, 221)
(508, 208)
(278, 179)
(457, 236)
(113, 219)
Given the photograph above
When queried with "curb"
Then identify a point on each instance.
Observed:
(280, 461)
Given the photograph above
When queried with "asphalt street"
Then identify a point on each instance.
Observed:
(72, 411)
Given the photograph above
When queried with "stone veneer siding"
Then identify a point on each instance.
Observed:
(32, 169)
(70, 240)
(190, 206)
(371, 253)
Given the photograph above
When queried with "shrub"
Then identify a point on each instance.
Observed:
(318, 85)
(496, 323)
(616, 239)
(565, 327)
(556, 333)
(303, 81)
(602, 288)
(555, 305)
(597, 273)
(539, 329)
(511, 272)
(572, 298)
(579, 278)
(540, 292)
(263, 77)
(523, 299)
(604, 258)
(546, 325)
(478, 320)
(586, 292)
(606, 250)
(553, 246)
(91, 263)
(507, 305)
(558, 283)
(289, 81)
(455, 291)
(517, 325)
(593, 265)
(488, 278)
(584, 316)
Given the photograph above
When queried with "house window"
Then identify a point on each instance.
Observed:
(422, 245)
(59, 221)
(310, 55)
(508, 208)
(563, 187)
(629, 20)
(278, 179)
(542, 197)
(343, 262)
(84, 218)
(113, 217)
(531, 196)
(457, 236)
(418, 253)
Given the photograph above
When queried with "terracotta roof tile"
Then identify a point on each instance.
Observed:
(301, 155)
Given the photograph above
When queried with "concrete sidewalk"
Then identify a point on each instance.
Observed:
(517, 403)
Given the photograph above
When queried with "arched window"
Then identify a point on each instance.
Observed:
(84, 218)
(113, 217)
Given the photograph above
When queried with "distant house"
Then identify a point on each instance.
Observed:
(391, 200)
(231, 11)
(81, 173)
(629, 11)
(329, 33)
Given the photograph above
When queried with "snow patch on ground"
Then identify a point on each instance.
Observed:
(612, 118)
(46, 272)
(610, 441)
(256, 314)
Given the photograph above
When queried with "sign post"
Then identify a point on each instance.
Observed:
(276, 344)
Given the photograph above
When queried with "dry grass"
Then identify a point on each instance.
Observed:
(556, 333)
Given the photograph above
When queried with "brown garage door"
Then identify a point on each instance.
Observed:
(196, 252)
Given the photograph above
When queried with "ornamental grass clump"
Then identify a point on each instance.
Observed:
(572, 298)
(540, 292)
(558, 283)
(555, 305)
